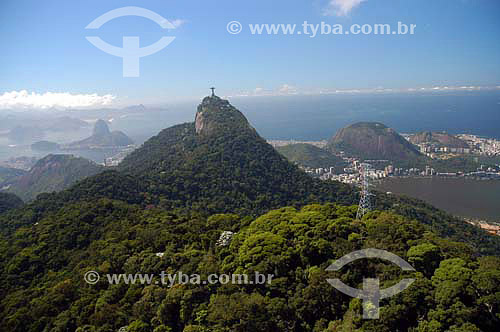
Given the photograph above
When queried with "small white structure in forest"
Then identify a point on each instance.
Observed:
(225, 239)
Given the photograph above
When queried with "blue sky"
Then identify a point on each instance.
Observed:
(44, 49)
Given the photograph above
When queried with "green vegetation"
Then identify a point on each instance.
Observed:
(310, 156)
(176, 195)
(226, 167)
(9, 201)
(455, 164)
(53, 173)
(42, 286)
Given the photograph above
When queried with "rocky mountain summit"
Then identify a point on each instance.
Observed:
(372, 140)
(215, 115)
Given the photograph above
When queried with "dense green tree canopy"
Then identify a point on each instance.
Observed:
(42, 269)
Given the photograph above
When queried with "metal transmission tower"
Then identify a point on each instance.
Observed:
(365, 201)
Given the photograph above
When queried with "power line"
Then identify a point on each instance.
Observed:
(365, 204)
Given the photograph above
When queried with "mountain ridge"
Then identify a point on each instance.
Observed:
(54, 172)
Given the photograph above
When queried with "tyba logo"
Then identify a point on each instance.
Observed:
(371, 294)
(131, 52)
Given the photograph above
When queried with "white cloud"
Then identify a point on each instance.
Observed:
(341, 7)
(178, 22)
(24, 99)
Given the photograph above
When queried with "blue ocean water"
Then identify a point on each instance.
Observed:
(319, 117)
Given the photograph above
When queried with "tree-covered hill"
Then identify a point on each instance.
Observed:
(310, 156)
(53, 173)
(219, 163)
(9, 201)
(42, 270)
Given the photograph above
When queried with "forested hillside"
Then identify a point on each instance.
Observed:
(9, 202)
(310, 156)
(43, 266)
(53, 173)
(221, 164)
(168, 204)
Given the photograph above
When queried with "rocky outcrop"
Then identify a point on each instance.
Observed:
(372, 140)
(215, 115)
